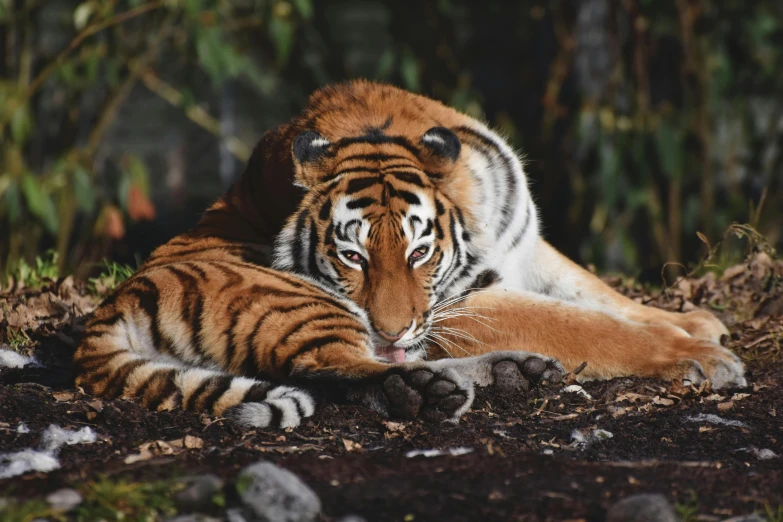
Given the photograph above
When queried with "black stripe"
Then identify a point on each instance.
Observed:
(116, 384)
(168, 389)
(361, 203)
(427, 230)
(257, 392)
(407, 177)
(409, 197)
(192, 306)
(376, 139)
(511, 182)
(148, 297)
(217, 391)
(524, 228)
(306, 323)
(326, 210)
(191, 402)
(298, 247)
(312, 267)
(108, 321)
(309, 346)
(355, 185)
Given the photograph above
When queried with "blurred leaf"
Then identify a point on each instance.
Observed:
(83, 190)
(112, 72)
(81, 15)
(409, 70)
(281, 31)
(210, 53)
(91, 67)
(21, 124)
(385, 64)
(4, 8)
(13, 200)
(135, 179)
(670, 150)
(193, 7)
(68, 74)
(39, 202)
(305, 8)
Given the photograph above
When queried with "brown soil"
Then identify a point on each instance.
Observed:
(524, 463)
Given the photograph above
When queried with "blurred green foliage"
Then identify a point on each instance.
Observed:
(643, 121)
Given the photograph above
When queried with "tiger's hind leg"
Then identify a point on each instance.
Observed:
(107, 365)
(560, 278)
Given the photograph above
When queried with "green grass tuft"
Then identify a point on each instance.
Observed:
(689, 509)
(40, 273)
(113, 276)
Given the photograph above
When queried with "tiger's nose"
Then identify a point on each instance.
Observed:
(393, 337)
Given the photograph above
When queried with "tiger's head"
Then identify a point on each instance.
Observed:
(379, 226)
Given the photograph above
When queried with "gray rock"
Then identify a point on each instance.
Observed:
(236, 515)
(64, 499)
(745, 518)
(352, 518)
(643, 508)
(274, 494)
(199, 492)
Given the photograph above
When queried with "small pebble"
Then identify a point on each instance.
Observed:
(643, 508)
(276, 495)
(236, 515)
(64, 500)
(352, 518)
(199, 492)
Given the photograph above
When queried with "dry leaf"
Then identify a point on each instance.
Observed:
(715, 397)
(192, 442)
(394, 426)
(660, 401)
(62, 396)
(725, 406)
(739, 396)
(631, 397)
(351, 445)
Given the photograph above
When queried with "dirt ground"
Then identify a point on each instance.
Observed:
(554, 455)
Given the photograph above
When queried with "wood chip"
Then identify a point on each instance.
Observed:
(725, 406)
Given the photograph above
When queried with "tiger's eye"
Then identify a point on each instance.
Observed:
(356, 257)
(419, 253)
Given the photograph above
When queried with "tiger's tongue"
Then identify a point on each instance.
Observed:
(393, 353)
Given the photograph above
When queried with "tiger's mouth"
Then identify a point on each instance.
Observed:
(393, 353)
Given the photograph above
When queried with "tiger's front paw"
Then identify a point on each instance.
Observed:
(509, 371)
(434, 394)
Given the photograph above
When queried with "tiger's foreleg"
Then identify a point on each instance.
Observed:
(611, 345)
(439, 390)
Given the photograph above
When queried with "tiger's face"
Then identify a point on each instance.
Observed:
(379, 231)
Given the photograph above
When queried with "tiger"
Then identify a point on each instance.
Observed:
(422, 216)
(202, 326)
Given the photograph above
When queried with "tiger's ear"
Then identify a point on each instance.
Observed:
(442, 143)
(308, 149)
